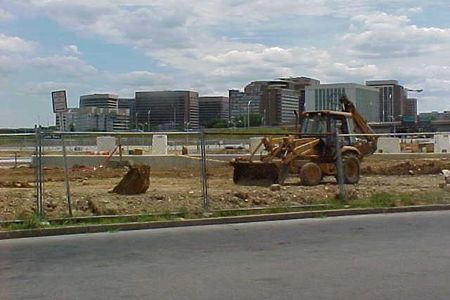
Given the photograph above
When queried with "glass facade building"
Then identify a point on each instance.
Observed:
(326, 97)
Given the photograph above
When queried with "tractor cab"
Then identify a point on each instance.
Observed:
(323, 125)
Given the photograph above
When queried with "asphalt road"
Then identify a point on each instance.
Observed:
(397, 256)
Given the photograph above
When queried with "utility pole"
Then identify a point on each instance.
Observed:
(148, 119)
(248, 113)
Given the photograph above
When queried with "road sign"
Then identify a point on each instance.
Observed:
(52, 136)
(59, 100)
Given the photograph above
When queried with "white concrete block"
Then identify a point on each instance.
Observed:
(388, 145)
(106, 143)
(159, 145)
(441, 143)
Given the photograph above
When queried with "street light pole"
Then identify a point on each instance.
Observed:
(148, 119)
(174, 115)
(264, 117)
(136, 120)
(248, 113)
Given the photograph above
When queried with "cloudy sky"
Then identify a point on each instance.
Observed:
(211, 46)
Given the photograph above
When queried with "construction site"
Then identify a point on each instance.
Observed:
(332, 158)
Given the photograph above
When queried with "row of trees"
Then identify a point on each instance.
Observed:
(240, 121)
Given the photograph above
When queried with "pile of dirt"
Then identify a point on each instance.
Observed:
(16, 184)
(422, 167)
(136, 181)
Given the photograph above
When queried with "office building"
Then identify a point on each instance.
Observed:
(129, 103)
(99, 100)
(274, 100)
(281, 98)
(167, 109)
(95, 119)
(409, 107)
(69, 120)
(299, 84)
(213, 108)
(103, 114)
(241, 104)
(326, 97)
(391, 97)
(278, 105)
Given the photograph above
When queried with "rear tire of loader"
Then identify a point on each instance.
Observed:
(310, 174)
(351, 168)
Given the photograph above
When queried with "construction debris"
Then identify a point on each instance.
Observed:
(136, 181)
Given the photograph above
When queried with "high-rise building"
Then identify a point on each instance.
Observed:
(95, 119)
(68, 118)
(274, 100)
(99, 100)
(391, 97)
(278, 104)
(241, 104)
(129, 103)
(104, 113)
(326, 97)
(299, 84)
(409, 107)
(167, 109)
(213, 107)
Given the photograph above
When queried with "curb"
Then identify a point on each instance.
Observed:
(215, 221)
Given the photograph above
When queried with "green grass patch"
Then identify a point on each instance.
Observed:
(378, 200)
(32, 222)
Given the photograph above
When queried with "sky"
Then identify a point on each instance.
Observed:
(114, 46)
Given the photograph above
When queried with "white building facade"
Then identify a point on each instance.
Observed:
(326, 97)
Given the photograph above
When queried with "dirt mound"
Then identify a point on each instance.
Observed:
(136, 181)
(15, 184)
(406, 168)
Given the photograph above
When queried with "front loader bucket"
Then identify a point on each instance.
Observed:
(259, 173)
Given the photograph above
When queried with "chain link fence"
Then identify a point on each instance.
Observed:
(191, 173)
(404, 169)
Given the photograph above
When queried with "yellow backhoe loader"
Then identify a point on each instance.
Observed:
(312, 153)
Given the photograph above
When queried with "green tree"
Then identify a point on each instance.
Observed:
(241, 121)
(217, 123)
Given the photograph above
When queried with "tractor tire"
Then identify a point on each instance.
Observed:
(310, 174)
(351, 168)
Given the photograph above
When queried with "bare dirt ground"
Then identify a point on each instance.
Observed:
(175, 190)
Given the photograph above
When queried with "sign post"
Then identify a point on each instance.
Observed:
(59, 101)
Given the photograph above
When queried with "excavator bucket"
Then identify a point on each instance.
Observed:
(259, 173)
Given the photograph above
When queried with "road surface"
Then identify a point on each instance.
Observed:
(397, 256)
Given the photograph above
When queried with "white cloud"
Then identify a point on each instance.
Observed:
(381, 35)
(71, 50)
(142, 80)
(44, 88)
(13, 44)
(66, 65)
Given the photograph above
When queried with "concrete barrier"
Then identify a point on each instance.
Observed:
(156, 162)
(164, 162)
(388, 145)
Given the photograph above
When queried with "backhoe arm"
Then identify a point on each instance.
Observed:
(371, 145)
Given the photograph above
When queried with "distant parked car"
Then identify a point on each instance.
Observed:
(231, 146)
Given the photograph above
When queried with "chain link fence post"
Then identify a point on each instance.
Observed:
(38, 171)
(203, 169)
(36, 168)
(66, 174)
(340, 169)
